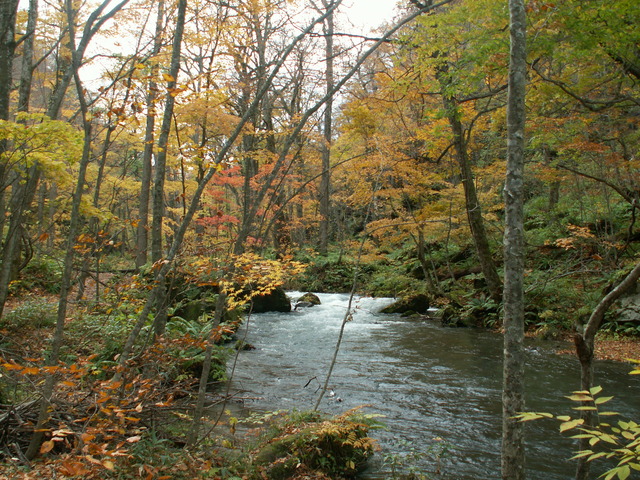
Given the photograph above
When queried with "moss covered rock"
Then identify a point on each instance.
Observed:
(414, 304)
(327, 448)
(276, 301)
(308, 300)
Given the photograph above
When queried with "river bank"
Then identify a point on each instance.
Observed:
(610, 348)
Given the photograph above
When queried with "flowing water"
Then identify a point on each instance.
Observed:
(435, 386)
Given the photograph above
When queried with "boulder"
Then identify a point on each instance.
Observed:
(276, 301)
(628, 309)
(416, 303)
(450, 317)
(308, 300)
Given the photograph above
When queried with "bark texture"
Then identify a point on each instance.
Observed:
(474, 210)
(325, 179)
(163, 139)
(513, 455)
(142, 236)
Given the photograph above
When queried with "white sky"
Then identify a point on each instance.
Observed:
(369, 14)
(364, 15)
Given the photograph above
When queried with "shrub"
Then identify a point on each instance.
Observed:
(31, 314)
(337, 447)
(42, 272)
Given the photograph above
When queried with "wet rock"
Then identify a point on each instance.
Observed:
(628, 309)
(416, 304)
(276, 301)
(310, 298)
(450, 317)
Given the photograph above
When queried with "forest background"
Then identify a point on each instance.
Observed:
(234, 147)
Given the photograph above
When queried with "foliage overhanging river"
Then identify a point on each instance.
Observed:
(429, 382)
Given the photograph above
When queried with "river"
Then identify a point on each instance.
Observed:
(435, 386)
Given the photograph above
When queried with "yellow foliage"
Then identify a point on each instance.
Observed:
(53, 145)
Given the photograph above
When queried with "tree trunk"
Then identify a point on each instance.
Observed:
(584, 340)
(513, 455)
(8, 11)
(161, 157)
(94, 223)
(22, 196)
(163, 139)
(26, 75)
(554, 196)
(474, 211)
(325, 179)
(142, 234)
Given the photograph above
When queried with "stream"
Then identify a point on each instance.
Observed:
(435, 386)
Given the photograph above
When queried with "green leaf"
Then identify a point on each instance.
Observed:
(582, 453)
(608, 439)
(595, 390)
(571, 424)
(580, 397)
(601, 400)
(597, 455)
(624, 472)
(528, 416)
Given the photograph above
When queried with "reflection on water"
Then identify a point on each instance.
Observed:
(429, 382)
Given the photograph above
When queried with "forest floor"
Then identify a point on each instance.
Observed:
(610, 348)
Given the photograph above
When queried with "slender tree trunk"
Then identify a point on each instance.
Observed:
(161, 157)
(142, 235)
(22, 196)
(26, 75)
(584, 340)
(513, 454)
(8, 11)
(554, 196)
(325, 179)
(430, 278)
(51, 228)
(163, 139)
(474, 211)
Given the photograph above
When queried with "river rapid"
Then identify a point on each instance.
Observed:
(435, 387)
